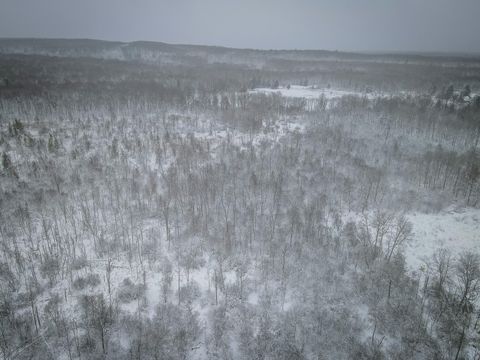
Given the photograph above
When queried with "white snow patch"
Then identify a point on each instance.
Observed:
(253, 298)
(309, 92)
(456, 230)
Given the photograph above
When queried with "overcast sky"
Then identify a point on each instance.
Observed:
(358, 25)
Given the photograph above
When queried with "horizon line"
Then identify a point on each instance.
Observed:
(385, 52)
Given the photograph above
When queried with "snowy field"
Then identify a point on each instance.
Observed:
(456, 230)
(309, 92)
(313, 92)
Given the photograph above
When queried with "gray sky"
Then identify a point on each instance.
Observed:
(359, 25)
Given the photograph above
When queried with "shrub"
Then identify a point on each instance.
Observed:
(90, 280)
(129, 291)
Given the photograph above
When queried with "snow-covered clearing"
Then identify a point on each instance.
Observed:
(453, 229)
(309, 92)
(456, 230)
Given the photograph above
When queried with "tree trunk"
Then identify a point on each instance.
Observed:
(460, 344)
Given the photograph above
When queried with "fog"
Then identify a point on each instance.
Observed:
(369, 25)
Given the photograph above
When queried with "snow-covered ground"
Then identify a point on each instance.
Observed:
(309, 92)
(453, 229)
(456, 230)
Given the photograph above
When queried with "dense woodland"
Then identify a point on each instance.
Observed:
(153, 206)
